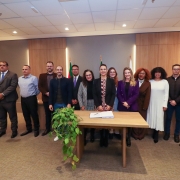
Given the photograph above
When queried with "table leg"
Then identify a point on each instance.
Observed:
(80, 144)
(124, 147)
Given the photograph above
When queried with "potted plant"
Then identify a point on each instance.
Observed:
(65, 126)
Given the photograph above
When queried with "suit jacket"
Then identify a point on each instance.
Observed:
(43, 86)
(8, 87)
(66, 91)
(133, 94)
(110, 92)
(144, 98)
(75, 89)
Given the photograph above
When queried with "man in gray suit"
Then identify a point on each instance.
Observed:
(8, 98)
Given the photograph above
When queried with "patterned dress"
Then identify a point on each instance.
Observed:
(103, 93)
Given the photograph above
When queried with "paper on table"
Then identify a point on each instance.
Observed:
(104, 114)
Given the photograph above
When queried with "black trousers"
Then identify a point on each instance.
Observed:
(30, 109)
(9, 108)
(48, 115)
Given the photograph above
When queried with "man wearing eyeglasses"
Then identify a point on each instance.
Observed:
(8, 98)
(174, 103)
(44, 84)
(76, 79)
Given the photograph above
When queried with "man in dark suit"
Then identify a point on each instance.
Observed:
(8, 98)
(43, 85)
(75, 80)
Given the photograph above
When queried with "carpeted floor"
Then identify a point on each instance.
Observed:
(30, 158)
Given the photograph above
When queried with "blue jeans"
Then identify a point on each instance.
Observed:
(169, 114)
(59, 106)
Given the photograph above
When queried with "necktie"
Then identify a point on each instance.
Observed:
(74, 81)
(2, 76)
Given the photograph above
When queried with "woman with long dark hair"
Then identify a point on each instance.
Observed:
(85, 98)
(104, 94)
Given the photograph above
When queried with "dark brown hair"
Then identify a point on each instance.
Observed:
(84, 80)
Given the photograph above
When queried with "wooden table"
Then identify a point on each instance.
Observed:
(121, 120)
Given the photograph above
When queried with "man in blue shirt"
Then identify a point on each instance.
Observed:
(29, 90)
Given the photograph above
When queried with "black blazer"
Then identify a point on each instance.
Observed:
(8, 87)
(110, 92)
(66, 91)
(75, 89)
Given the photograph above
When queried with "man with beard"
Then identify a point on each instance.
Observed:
(44, 83)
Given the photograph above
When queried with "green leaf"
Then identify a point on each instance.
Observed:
(77, 130)
(65, 158)
(75, 158)
(66, 141)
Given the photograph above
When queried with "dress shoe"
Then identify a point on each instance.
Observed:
(118, 136)
(128, 141)
(2, 133)
(36, 133)
(25, 133)
(156, 136)
(14, 134)
(166, 136)
(45, 132)
(176, 138)
(110, 135)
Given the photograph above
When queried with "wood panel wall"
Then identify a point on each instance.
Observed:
(43, 50)
(158, 49)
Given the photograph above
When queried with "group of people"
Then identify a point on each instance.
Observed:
(150, 94)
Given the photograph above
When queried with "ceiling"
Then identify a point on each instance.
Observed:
(86, 17)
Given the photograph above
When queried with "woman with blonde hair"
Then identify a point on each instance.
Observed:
(127, 94)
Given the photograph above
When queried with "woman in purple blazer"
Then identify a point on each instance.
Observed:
(127, 94)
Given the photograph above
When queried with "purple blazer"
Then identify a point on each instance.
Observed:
(133, 94)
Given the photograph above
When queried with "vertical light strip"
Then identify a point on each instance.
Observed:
(67, 62)
(28, 56)
(134, 59)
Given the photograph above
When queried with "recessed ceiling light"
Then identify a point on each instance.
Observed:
(34, 9)
(67, 29)
(14, 32)
(124, 25)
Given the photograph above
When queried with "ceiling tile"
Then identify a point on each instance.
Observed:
(81, 18)
(62, 29)
(125, 4)
(128, 14)
(177, 24)
(3, 34)
(76, 6)
(85, 27)
(48, 29)
(103, 5)
(153, 13)
(4, 25)
(10, 31)
(159, 3)
(18, 22)
(23, 9)
(38, 21)
(173, 12)
(6, 13)
(48, 7)
(104, 26)
(11, 1)
(59, 19)
(129, 25)
(167, 22)
(31, 30)
(148, 23)
(104, 16)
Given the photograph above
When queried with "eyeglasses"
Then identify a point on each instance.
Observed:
(88, 75)
(176, 69)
